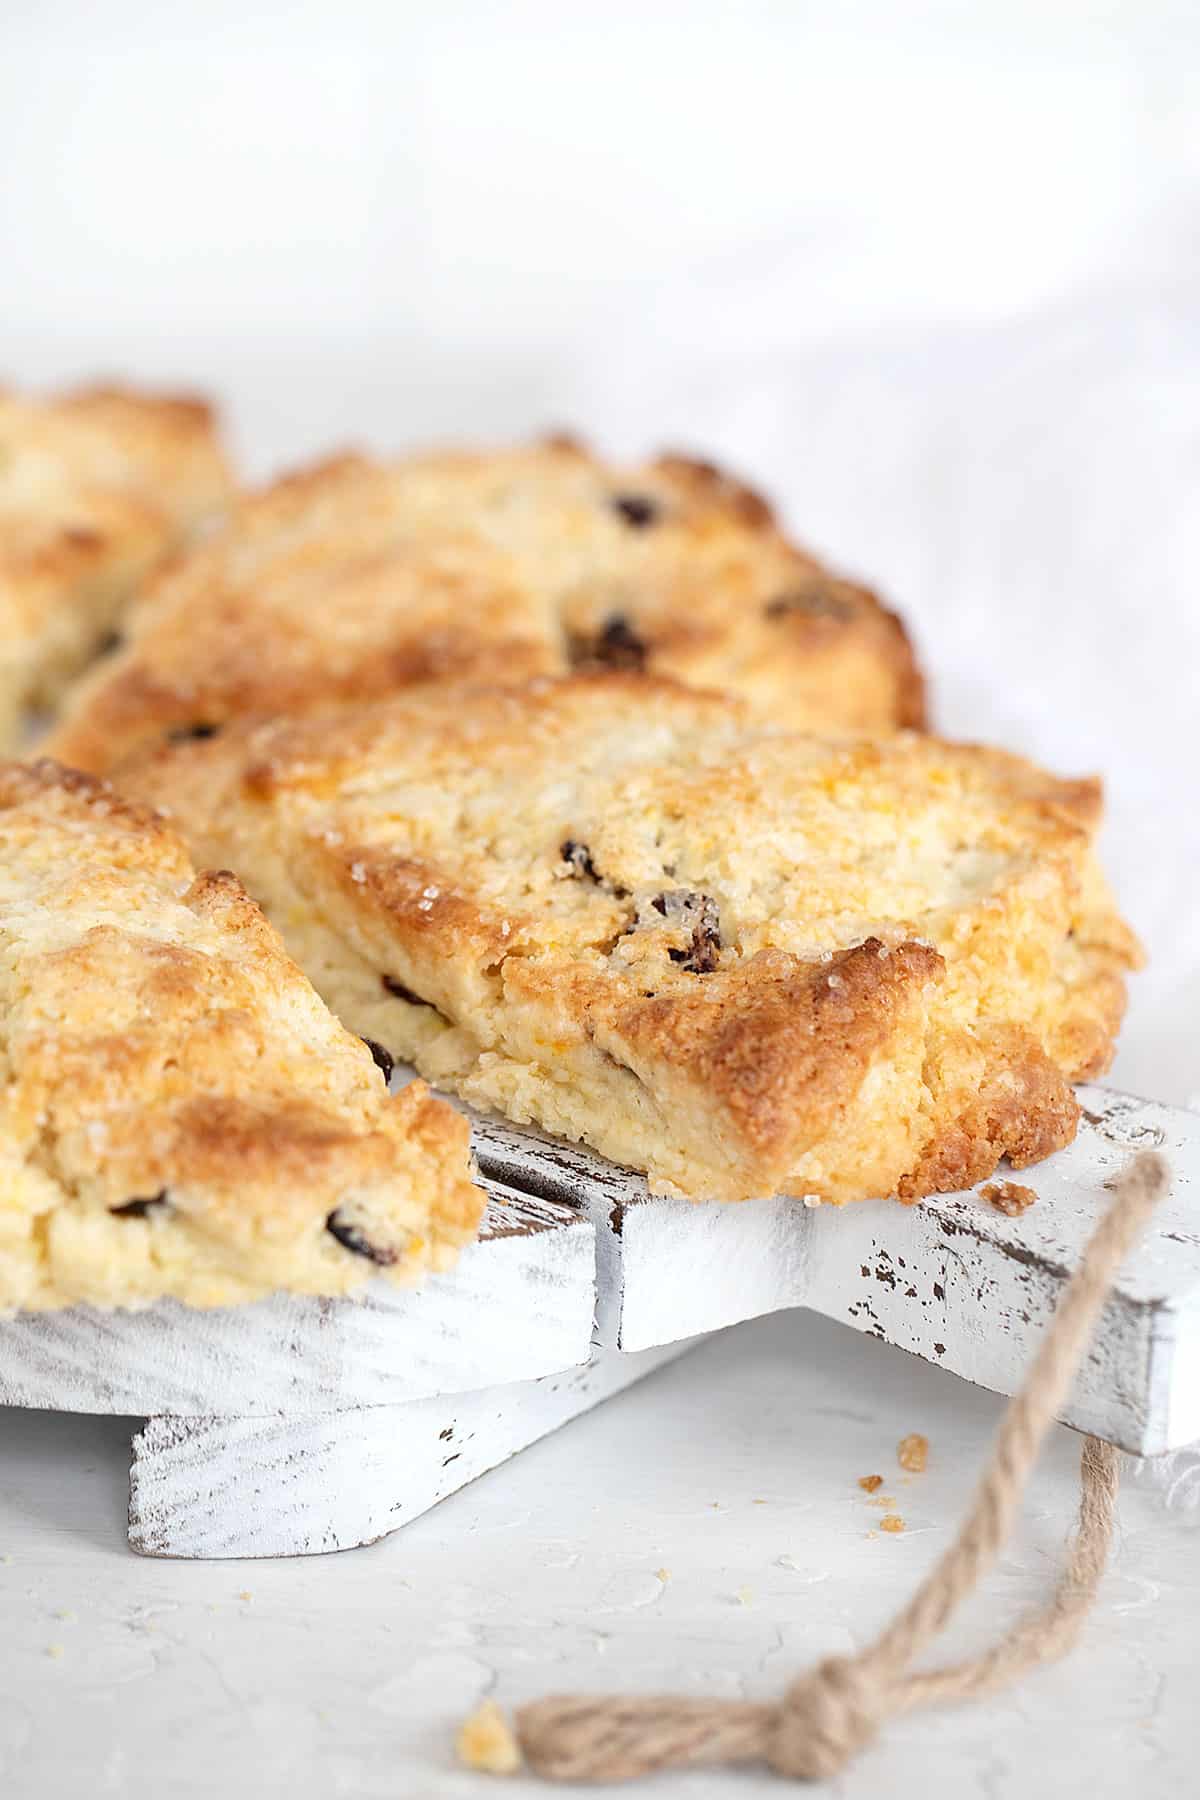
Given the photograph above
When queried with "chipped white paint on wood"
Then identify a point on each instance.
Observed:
(951, 1280)
(296, 1486)
(297, 1425)
(517, 1306)
(301, 1425)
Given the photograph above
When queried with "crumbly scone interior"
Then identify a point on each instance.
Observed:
(743, 961)
(182, 1116)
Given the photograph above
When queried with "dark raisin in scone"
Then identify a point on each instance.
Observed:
(355, 579)
(744, 960)
(182, 1115)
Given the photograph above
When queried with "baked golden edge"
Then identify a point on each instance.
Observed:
(1024, 1107)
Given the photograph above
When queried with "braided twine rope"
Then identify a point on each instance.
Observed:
(835, 1709)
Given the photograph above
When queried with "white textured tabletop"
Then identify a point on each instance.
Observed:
(705, 1532)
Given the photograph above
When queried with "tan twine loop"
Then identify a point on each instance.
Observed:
(839, 1706)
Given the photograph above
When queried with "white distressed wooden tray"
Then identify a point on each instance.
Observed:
(952, 1280)
(518, 1305)
(297, 1426)
(304, 1483)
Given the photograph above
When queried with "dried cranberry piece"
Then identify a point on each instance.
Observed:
(638, 510)
(138, 1208)
(616, 645)
(186, 734)
(353, 1239)
(583, 866)
(402, 993)
(384, 1060)
(699, 914)
(619, 645)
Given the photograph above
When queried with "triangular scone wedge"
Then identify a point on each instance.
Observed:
(181, 1114)
(358, 579)
(95, 486)
(743, 961)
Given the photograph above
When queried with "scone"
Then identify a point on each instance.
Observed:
(181, 1115)
(95, 486)
(744, 961)
(359, 578)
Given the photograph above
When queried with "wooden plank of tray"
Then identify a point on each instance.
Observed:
(299, 1486)
(952, 1280)
(518, 1305)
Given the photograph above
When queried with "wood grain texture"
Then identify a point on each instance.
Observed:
(952, 1279)
(517, 1306)
(296, 1486)
(298, 1426)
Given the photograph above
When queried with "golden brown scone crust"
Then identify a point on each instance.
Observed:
(746, 961)
(95, 485)
(354, 579)
(181, 1115)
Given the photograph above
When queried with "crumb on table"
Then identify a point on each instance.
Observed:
(485, 1741)
(893, 1522)
(912, 1452)
(1008, 1197)
(870, 1483)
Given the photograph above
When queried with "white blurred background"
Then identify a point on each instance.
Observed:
(929, 274)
